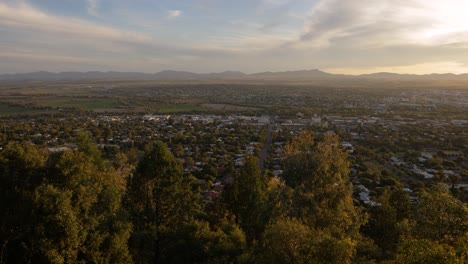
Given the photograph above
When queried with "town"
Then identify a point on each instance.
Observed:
(407, 152)
(192, 164)
(237, 132)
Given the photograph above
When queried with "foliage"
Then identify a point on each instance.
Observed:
(322, 197)
(385, 220)
(161, 202)
(22, 168)
(116, 206)
(421, 251)
(440, 217)
(247, 198)
(287, 240)
(74, 208)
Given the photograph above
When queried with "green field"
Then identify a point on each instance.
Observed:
(82, 103)
(180, 108)
(6, 109)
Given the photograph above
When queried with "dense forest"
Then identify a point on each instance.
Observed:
(81, 206)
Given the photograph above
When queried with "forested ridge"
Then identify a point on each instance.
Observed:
(80, 206)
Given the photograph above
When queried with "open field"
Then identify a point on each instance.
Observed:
(6, 109)
(180, 108)
(230, 107)
(82, 103)
(413, 99)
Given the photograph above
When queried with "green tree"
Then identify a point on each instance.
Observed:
(67, 207)
(299, 157)
(279, 198)
(22, 169)
(287, 240)
(178, 150)
(58, 227)
(422, 251)
(96, 202)
(322, 198)
(198, 242)
(399, 199)
(437, 231)
(439, 216)
(161, 202)
(384, 223)
(246, 198)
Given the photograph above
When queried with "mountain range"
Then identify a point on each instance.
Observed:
(301, 75)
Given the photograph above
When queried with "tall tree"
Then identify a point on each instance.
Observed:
(58, 227)
(67, 209)
(161, 202)
(94, 201)
(287, 240)
(322, 199)
(384, 225)
(437, 231)
(246, 198)
(439, 216)
(299, 157)
(22, 169)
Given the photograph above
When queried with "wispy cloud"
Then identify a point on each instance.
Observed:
(385, 23)
(276, 2)
(174, 14)
(92, 6)
(30, 19)
(36, 40)
(48, 57)
(402, 35)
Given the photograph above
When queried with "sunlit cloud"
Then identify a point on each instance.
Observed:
(48, 57)
(423, 68)
(25, 17)
(174, 13)
(386, 23)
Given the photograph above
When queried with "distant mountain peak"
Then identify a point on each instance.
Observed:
(298, 75)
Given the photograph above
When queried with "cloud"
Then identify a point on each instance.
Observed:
(336, 34)
(422, 68)
(92, 7)
(26, 22)
(27, 18)
(335, 21)
(48, 57)
(385, 23)
(274, 2)
(174, 13)
(35, 40)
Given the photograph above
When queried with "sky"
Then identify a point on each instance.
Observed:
(338, 36)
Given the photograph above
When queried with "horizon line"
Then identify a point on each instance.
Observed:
(237, 71)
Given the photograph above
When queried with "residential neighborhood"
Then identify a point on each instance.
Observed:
(383, 150)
